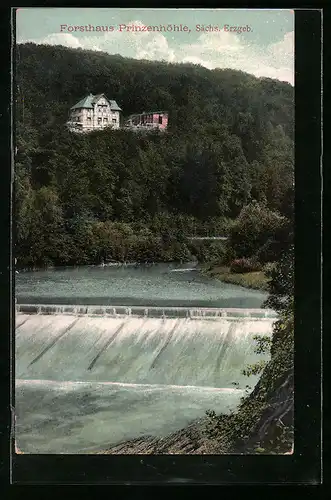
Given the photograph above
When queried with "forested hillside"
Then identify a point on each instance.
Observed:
(125, 196)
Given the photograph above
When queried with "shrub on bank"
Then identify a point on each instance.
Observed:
(257, 233)
(243, 265)
(208, 251)
(269, 267)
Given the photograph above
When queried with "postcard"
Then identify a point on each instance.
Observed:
(154, 195)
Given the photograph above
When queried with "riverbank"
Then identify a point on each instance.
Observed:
(256, 280)
(192, 440)
(121, 247)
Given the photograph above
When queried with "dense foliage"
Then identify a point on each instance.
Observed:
(259, 234)
(122, 196)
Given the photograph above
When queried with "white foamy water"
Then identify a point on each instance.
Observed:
(82, 417)
(137, 350)
(83, 383)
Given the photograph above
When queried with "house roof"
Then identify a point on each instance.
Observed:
(114, 106)
(90, 100)
(84, 103)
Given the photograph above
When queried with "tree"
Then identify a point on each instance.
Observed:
(281, 286)
(256, 232)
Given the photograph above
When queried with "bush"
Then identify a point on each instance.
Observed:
(270, 251)
(245, 266)
(257, 233)
(268, 268)
(217, 252)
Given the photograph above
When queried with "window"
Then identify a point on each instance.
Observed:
(99, 120)
(114, 120)
(88, 118)
(160, 120)
(105, 119)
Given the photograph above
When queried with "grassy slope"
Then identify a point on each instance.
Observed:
(255, 280)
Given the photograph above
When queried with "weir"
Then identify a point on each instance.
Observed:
(150, 312)
(90, 376)
(138, 350)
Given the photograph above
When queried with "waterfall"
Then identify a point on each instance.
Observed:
(209, 351)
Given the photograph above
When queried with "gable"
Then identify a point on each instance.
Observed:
(101, 99)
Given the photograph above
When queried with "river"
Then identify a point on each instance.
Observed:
(157, 285)
(84, 381)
